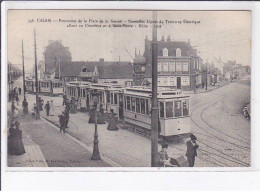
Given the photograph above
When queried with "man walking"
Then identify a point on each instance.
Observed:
(192, 147)
(20, 90)
(62, 122)
(67, 117)
(47, 108)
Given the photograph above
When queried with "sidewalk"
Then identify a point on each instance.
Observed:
(209, 88)
(45, 146)
(32, 158)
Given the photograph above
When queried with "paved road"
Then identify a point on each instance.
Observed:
(217, 120)
(222, 130)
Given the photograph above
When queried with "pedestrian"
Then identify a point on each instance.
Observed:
(10, 96)
(67, 105)
(17, 99)
(100, 116)
(20, 91)
(64, 99)
(13, 107)
(34, 111)
(112, 126)
(192, 147)
(62, 122)
(51, 108)
(25, 107)
(67, 117)
(163, 156)
(15, 144)
(47, 108)
(72, 106)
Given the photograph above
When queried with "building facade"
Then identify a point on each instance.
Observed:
(54, 54)
(178, 64)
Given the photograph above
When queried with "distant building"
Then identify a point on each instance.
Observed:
(139, 70)
(178, 63)
(101, 71)
(54, 54)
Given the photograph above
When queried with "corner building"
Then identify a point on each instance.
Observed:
(178, 64)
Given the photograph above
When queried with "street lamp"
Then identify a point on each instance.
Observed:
(95, 155)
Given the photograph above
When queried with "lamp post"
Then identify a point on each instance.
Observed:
(95, 154)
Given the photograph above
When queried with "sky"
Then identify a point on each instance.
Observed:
(225, 34)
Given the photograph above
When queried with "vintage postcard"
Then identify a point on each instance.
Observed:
(128, 88)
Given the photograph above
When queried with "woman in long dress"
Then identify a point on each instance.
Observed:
(51, 113)
(25, 107)
(15, 143)
(100, 116)
(113, 122)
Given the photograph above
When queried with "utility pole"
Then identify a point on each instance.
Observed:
(37, 116)
(24, 90)
(154, 112)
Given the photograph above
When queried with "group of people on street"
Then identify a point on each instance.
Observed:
(14, 95)
(65, 116)
(112, 126)
(14, 140)
(191, 153)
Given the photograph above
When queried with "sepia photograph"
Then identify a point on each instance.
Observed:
(128, 88)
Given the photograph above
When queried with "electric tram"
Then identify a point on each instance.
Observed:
(48, 86)
(174, 117)
(133, 105)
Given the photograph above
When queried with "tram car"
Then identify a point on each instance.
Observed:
(174, 116)
(79, 91)
(48, 87)
(51, 87)
(30, 86)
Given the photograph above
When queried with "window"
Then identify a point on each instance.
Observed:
(133, 104)
(142, 106)
(171, 66)
(138, 110)
(159, 67)
(161, 110)
(128, 103)
(178, 52)
(165, 52)
(169, 109)
(177, 108)
(164, 81)
(112, 99)
(185, 66)
(172, 81)
(108, 97)
(165, 67)
(185, 107)
(100, 97)
(115, 98)
(147, 111)
(84, 93)
(178, 66)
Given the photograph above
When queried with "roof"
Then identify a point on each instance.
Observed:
(186, 49)
(107, 70)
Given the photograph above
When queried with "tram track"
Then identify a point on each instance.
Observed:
(222, 155)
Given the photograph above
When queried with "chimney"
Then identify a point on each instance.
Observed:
(101, 60)
(163, 38)
(168, 38)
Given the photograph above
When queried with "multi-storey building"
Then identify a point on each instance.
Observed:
(178, 64)
(54, 54)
